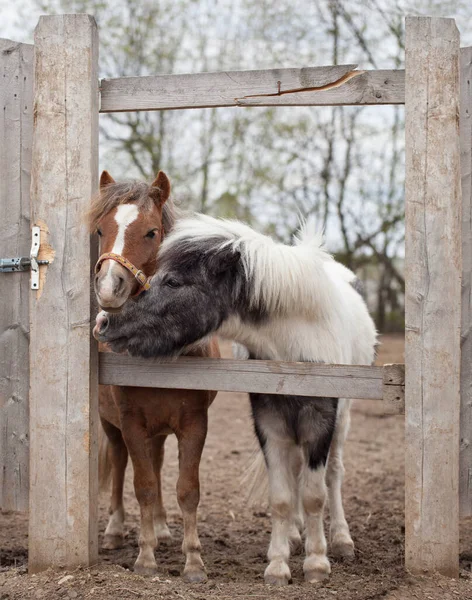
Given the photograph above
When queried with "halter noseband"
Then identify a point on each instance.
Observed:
(141, 278)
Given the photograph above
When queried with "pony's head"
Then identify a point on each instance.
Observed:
(200, 283)
(131, 219)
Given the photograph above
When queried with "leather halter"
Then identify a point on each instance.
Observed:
(141, 278)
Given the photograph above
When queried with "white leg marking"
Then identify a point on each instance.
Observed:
(146, 562)
(316, 566)
(281, 506)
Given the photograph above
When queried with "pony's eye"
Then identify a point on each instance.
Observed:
(99, 232)
(151, 234)
(172, 283)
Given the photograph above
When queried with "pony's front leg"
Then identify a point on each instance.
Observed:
(281, 500)
(145, 487)
(191, 441)
(316, 566)
(160, 516)
(341, 542)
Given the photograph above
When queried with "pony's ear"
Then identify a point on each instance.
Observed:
(223, 260)
(160, 188)
(105, 179)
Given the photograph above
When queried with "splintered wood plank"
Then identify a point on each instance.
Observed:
(433, 271)
(465, 464)
(263, 376)
(64, 378)
(16, 137)
(310, 86)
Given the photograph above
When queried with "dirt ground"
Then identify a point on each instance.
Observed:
(235, 537)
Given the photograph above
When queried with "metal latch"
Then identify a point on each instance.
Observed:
(14, 265)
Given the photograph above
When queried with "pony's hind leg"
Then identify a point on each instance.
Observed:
(341, 542)
(316, 432)
(281, 500)
(191, 440)
(160, 523)
(316, 566)
(118, 457)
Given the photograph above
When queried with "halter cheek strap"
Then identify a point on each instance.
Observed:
(141, 278)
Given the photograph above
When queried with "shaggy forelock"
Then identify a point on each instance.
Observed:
(187, 253)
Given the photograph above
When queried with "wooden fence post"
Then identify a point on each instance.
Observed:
(465, 123)
(433, 272)
(63, 362)
(16, 137)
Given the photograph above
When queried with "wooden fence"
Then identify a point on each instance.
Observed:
(16, 137)
(64, 370)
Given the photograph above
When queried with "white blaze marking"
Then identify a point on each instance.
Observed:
(124, 216)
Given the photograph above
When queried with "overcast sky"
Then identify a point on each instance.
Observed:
(13, 16)
(18, 18)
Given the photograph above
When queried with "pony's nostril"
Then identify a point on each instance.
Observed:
(119, 286)
(101, 322)
(104, 325)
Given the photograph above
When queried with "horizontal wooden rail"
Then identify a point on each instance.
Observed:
(263, 376)
(310, 86)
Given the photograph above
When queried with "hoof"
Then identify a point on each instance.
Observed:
(274, 580)
(315, 576)
(277, 573)
(316, 569)
(194, 576)
(343, 550)
(145, 571)
(112, 542)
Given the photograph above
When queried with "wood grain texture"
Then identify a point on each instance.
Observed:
(311, 86)
(433, 271)
(465, 460)
(273, 377)
(394, 386)
(394, 374)
(63, 394)
(16, 136)
(394, 396)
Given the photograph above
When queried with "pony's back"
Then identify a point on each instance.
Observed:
(359, 328)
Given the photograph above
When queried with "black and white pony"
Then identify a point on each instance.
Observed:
(281, 302)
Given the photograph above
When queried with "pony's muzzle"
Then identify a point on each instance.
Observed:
(113, 286)
(101, 325)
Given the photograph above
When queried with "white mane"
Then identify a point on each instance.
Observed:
(314, 312)
(284, 278)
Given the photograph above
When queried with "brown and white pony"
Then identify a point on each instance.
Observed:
(131, 220)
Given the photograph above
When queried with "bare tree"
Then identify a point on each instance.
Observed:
(342, 165)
